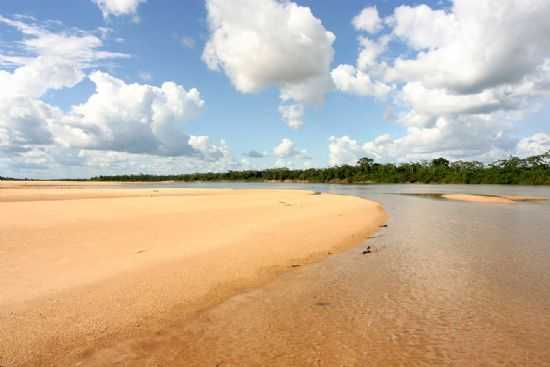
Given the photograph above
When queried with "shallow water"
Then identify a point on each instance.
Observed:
(448, 283)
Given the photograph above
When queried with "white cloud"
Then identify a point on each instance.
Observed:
(212, 152)
(118, 123)
(119, 7)
(283, 45)
(365, 79)
(535, 144)
(287, 149)
(464, 50)
(44, 60)
(351, 80)
(24, 122)
(424, 28)
(369, 53)
(368, 20)
(293, 115)
(426, 105)
(49, 60)
(467, 77)
(480, 138)
(344, 150)
(136, 118)
(452, 138)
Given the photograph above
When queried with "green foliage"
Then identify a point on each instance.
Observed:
(533, 170)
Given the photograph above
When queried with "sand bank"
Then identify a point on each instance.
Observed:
(82, 267)
(501, 199)
(14, 184)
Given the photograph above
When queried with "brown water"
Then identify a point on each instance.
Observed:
(448, 284)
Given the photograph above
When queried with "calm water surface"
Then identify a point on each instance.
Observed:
(449, 284)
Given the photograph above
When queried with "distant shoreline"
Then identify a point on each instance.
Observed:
(534, 170)
(87, 182)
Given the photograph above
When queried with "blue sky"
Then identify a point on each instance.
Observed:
(394, 80)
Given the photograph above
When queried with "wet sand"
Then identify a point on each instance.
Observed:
(501, 199)
(82, 269)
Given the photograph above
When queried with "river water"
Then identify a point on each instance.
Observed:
(448, 284)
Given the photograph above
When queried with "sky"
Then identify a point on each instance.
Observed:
(92, 87)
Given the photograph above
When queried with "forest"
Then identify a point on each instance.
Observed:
(534, 170)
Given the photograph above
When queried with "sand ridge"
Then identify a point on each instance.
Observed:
(494, 199)
(80, 266)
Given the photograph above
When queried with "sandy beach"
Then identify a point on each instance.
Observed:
(82, 267)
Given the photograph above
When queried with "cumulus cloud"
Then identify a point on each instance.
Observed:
(42, 60)
(136, 118)
(283, 46)
(209, 151)
(462, 84)
(463, 50)
(426, 105)
(455, 138)
(354, 81)
(368, 20)
(293, 115)
(287, 149)
(366, 78)
(535, 144)
(344, 150)
(25, 122)
(118, 121)
(370, 51)
(118, 7)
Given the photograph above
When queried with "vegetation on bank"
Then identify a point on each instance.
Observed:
(533, 170)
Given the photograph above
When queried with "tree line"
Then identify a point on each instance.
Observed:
(534, 170)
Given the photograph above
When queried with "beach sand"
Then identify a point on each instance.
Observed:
(501, 199)
(81, 268)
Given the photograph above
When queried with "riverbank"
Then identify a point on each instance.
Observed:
(81, 267)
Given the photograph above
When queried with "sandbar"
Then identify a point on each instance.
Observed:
(82, 266)
(494, 199)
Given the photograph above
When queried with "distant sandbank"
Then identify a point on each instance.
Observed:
(80, 266)
(500, 199)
